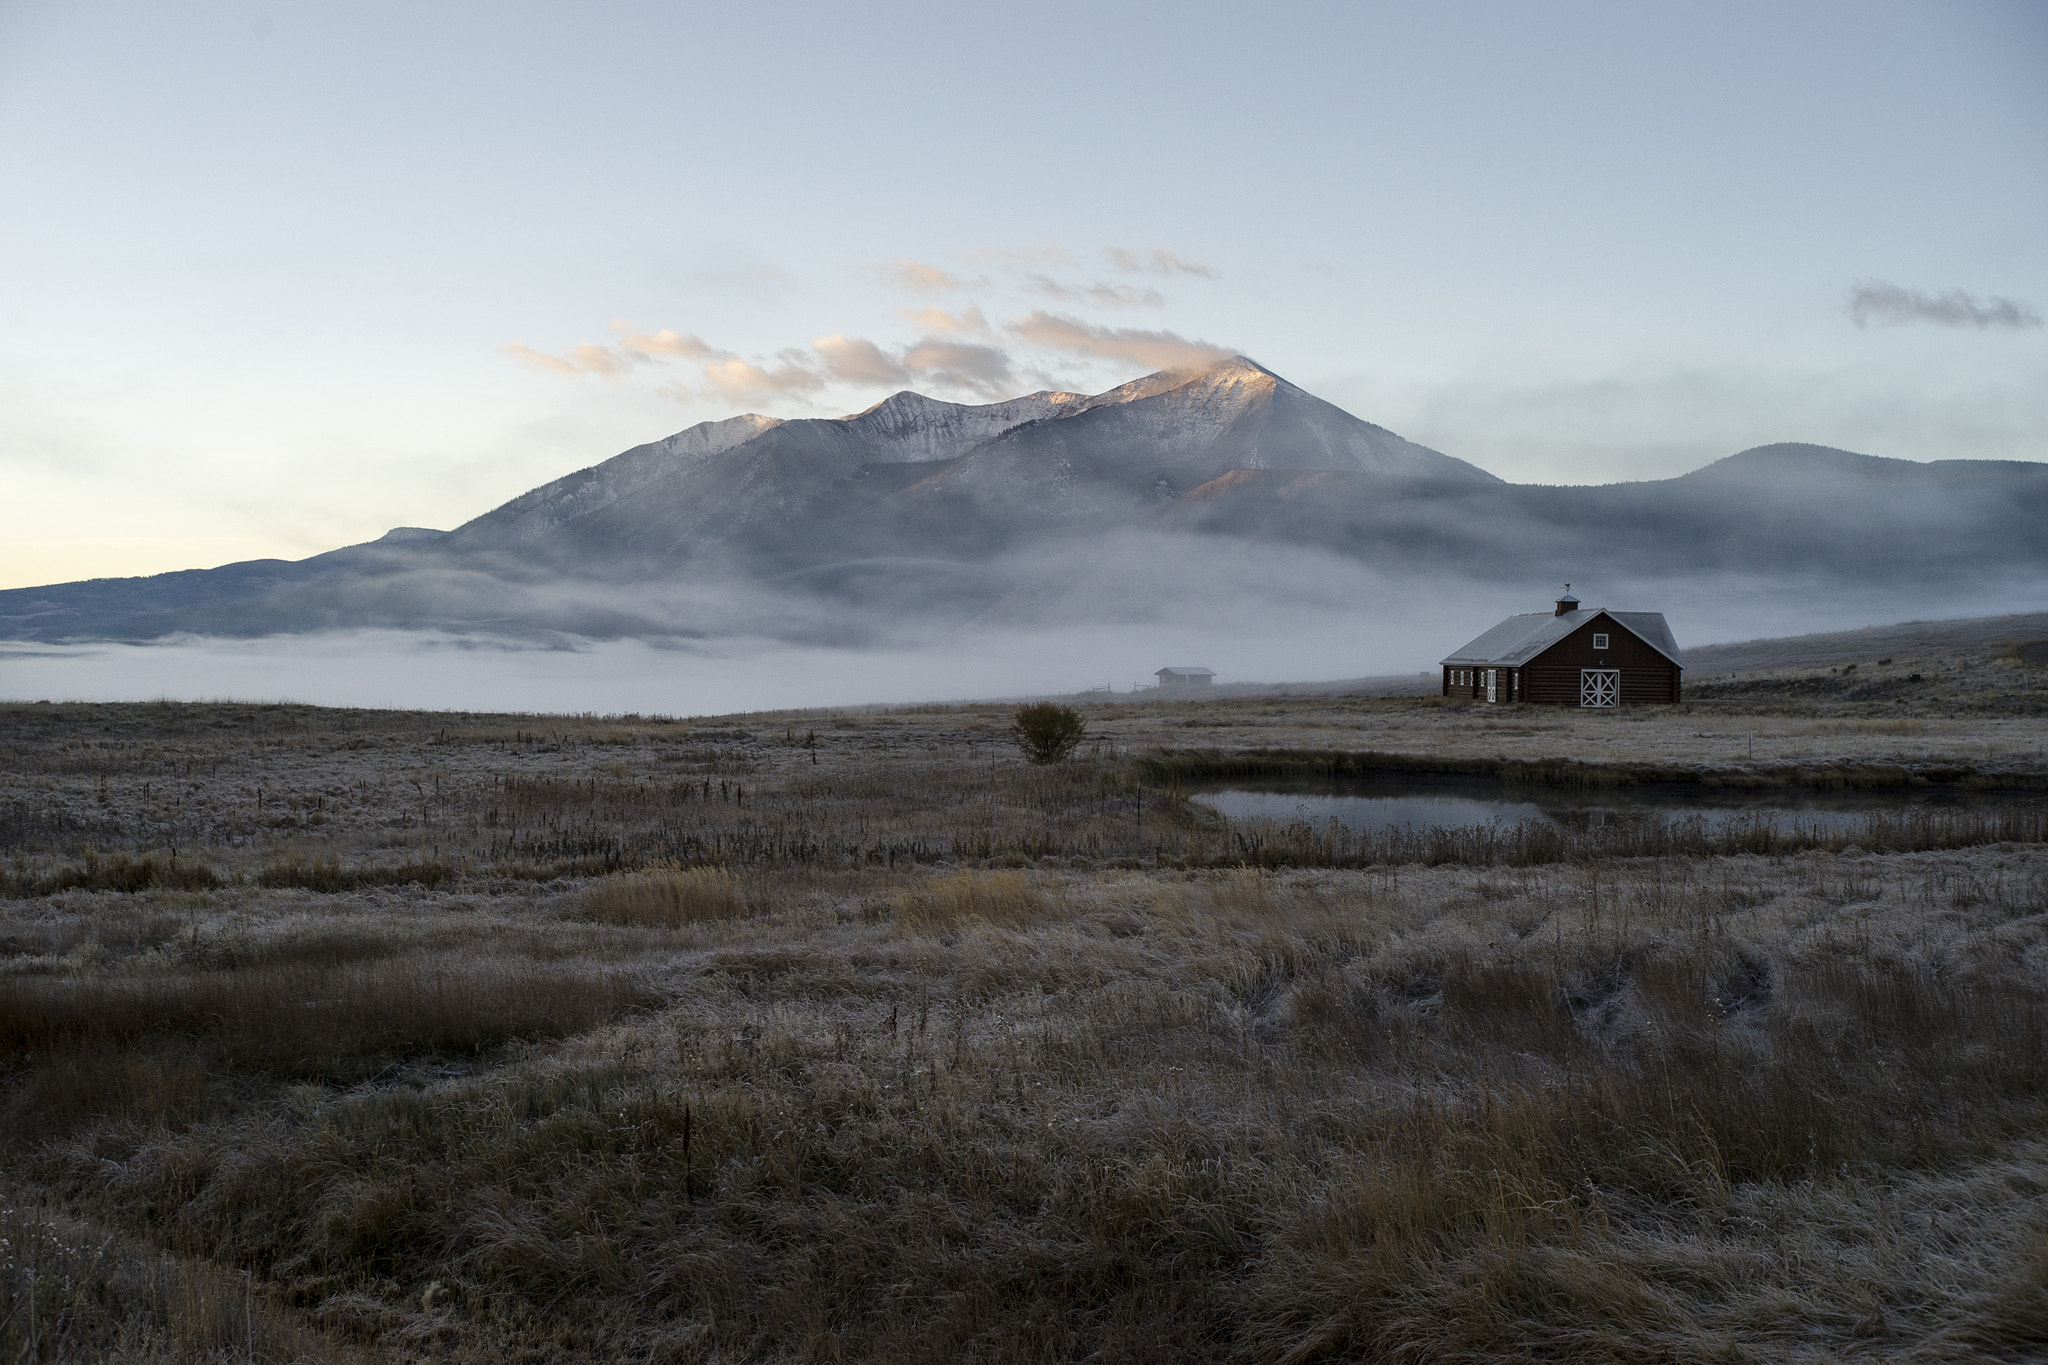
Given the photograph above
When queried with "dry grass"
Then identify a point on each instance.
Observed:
(70, 1290)
(120, 872)
(1678, 1101)
(326, 873)
(305, 1019)
(665, 897)
(947, 903)
(1673, 1109)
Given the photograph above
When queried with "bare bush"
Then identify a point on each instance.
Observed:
(1047, 732)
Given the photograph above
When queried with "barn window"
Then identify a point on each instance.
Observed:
(1599, 642)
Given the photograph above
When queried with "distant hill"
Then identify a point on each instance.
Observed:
(1910, 643)
(923, 515)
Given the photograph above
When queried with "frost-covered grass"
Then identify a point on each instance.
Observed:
(448, 1057)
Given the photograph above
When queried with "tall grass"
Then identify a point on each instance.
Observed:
(1183, 1090)
(307, 1019)
(665, 897)
(327, 873)
(72, 1291)
(120, 872)
(1581, 1113)
(1529, 843)
(945, 903)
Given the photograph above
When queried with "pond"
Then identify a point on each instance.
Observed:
(1428, 800)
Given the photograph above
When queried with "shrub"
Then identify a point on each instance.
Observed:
(1047, 732)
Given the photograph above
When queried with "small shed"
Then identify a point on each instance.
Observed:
(1185, 677)
(1570, 656)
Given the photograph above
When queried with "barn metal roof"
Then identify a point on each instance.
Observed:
(1519, 639)
(1190, 672)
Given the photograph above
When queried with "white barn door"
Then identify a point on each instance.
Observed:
(1599, 687)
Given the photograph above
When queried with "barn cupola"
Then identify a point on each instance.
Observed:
(1567, 602)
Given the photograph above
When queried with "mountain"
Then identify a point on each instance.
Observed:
(1779, 509)
(926, 512)
(1046, 456)
(1123, 454)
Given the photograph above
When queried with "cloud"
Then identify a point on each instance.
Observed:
(588, 358)
(1891, 305)
(594, 359)
(1097, 292)
(957, 349)
(668, 343)
(936, 360)
(969, 323)
(1158, 261)
(915, 277)
(1040, 253)
(984, 370)
(539, 360)
(855, 360)
(1153, 350)
(743, 380)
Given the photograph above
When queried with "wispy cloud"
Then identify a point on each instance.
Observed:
(1038, 255)
(538, 360)
(917, 277)
(592, 358)
(958, 351)
(1875, 302)
(981, 370)
(1157, 350)
(744, 381)
(967, 323)
(668, 343)
(1158, 261)
(856, 360)
(588, 358)
(1096, 292)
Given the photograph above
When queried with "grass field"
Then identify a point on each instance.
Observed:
(335, 1035)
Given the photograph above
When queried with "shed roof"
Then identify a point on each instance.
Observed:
(1519, 639)
(1189, 672)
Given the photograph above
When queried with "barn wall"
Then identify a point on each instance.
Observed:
(1647, 677)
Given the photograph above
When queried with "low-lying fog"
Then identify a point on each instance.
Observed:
(1358, 625)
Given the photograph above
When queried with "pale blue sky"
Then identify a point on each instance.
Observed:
(262, 266)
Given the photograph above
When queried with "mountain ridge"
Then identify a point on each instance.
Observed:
(915, 504)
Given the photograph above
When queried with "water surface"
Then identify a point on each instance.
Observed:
(1423, 801)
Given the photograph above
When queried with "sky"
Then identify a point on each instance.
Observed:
(275, 277)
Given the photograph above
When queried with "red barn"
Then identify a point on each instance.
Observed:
(1570, 657)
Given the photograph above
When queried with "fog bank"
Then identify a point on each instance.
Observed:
(1353, 623)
